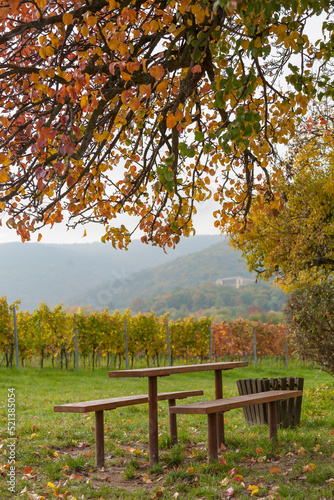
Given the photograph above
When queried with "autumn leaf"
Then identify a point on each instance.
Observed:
(275, 470)
(157, 72)
(171, 121)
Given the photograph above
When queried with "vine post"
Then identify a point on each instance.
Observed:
(126, 345)
(16, 339)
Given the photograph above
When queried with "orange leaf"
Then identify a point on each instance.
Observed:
(171, 121)
(157, 72)
(275, 470)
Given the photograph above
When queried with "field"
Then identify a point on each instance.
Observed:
(54, 457)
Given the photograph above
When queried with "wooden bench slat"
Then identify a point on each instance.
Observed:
(227, 404)
(113, 403)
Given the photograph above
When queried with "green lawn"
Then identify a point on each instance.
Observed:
(54, 457)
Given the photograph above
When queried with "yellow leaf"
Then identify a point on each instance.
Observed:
(84, 101)
(258, 42)
(49, 51)
(3, 176)
(67, 18)
(50, 485)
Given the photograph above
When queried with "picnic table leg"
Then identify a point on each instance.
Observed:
(153, 419)
(99, 438)
(219, 415)
(172, 422)
(212, 437)
(272, 420)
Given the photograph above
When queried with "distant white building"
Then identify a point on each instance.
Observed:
(236, 282)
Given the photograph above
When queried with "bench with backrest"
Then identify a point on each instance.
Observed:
(100, 405)
(212, 408)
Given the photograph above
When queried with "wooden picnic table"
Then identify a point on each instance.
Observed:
(153, 373)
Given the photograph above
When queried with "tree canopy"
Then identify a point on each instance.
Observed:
(292, 236)
(150, 107)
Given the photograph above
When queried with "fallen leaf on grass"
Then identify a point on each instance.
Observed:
(232, 471)
(331, 480)
(237, 478)
(34, 496)
(229, 493)
(146, 479)
(309, 468)
(275, 470)
(225, 481)
(253, 488)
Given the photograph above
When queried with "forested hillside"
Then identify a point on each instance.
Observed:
(187, 285)
(36, 272)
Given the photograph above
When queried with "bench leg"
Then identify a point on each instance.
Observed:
(272, 420)
(172, 422)
(99, 438)
(153, 420)
(212, 437)
(220, 415)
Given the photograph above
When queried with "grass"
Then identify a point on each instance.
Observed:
(54, 455)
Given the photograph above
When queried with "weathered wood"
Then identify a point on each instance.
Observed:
(291, 405)
(227, 404)
(242, 390)
(260, 388)
(99, 438)
(100, 405)
(298, 404)
(153, 420)
(250, 391)
(256, 407)
(212, 437)
(113, 403)
(272, 413)
(266, 388)
(172, 422)
(288, 412)
(210, 408)
(220, 415)
(164, 371)
(283, 404)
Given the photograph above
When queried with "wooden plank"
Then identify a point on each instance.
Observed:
(266, 388)
(284, 404)
(164, 371)
(298, 404)
(260, 388)
(101, 404)
(242, 391)
(291, 405)
(228, 404)
(275, 387)
(256, 407)
(112, 403)
(251, 409)
(272, 412)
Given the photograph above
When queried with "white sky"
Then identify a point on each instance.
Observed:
(203, 221)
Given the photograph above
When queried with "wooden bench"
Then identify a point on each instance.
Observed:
(212, 408)
(100, 405)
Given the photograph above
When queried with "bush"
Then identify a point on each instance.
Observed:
(309, 316)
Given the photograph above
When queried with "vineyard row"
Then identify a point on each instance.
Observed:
(53, 333)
